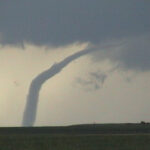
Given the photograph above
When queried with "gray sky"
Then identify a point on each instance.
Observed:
(110, 85)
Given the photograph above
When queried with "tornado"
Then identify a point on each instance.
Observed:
(30, 111)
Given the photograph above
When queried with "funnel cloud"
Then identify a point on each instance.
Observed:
(36, 84)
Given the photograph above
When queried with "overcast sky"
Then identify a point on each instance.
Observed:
(108, 86)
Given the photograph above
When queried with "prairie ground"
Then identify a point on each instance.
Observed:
(75, 142)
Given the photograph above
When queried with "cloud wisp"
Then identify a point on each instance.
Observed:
(94, 81)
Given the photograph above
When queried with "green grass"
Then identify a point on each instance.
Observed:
(74, 142)
(77, 137)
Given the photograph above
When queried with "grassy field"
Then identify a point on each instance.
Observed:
(75, 142)
(77, 137)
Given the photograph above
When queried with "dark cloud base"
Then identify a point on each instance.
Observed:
(58, 23)
(53, 22)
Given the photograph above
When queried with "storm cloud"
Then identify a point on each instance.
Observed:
(131, 53)
(58, 23)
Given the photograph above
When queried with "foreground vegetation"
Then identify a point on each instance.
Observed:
(75, 142)
(79, 137)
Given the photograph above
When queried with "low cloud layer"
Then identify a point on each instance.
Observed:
(59, 23)
(129, 53)
(55, 22)
(135, 54)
